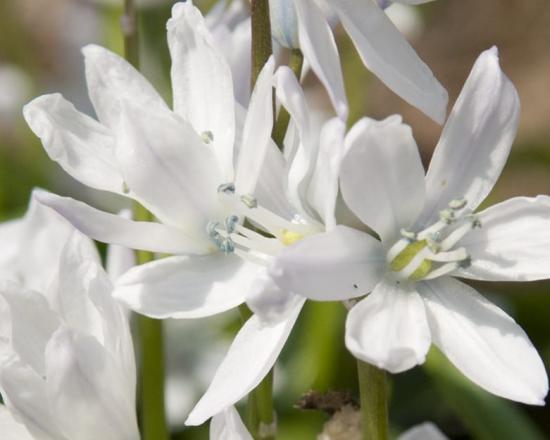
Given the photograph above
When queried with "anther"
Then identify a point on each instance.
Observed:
(227, 188)
(227, 246)
(207, 137)
(409, 235)
(457, 204)
(125, 188)
(447, 216)
(249, 200)
(231, 223)
(211, 228)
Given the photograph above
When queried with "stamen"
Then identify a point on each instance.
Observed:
(396, 249)
(253, 258)
(442, 270)
(455, 236)
(249, 200)
(231, 223)
(457, 204)
(409, 235)
(227, 188)
(125, 188)
(459, 254)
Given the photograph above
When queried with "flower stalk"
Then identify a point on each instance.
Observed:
(151, 386)
(261, 36)
(374, 401)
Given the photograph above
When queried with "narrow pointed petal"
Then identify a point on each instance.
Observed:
(252, 354)
(25, 393)
(391, 58)
(319, 48)
(513, 242)
(83, 381)
(201, 81)
(112, 80)
(476, 139)
(11, 233)
(381, 175)
(10, 428)
(323, 189)
(256, 132)
(168, 167)
(186, 287)
(483, 342)
(111, 228)
(80, 145)
(389, 328)
(228, 425)
(424, 431)
(337, 265)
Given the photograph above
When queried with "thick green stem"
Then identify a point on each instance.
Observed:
(261, 36)
(151, 385)
(295, 63)
(374, 401)
(260, 411)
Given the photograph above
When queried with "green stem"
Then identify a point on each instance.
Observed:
(374, 401)
(151, 386)
(295, 63)
(261, 36)
(129, 26)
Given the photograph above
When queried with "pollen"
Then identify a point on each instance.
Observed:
(289, 237)
(406, 256)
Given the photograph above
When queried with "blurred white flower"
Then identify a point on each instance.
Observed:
(68, 369)
(15, 91)
(424, 431)
(428, 234)
(228, 425)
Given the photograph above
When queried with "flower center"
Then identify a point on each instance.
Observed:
(431, 253)
(258, 241)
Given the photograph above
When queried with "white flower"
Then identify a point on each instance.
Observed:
(303, 24)
(428, 232)
(228, 425)
(68, 371)
(311, 180)
(424, 431)
(177, 164)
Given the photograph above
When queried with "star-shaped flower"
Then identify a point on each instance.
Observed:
(429, 234)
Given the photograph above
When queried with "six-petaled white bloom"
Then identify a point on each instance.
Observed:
(177, 164)
(67, 369)
(429, 233)
(303, 24)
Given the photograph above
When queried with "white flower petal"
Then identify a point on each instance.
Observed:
(250, 357)
(391, 58)
(256, 131)
(476, 139)
(340, 264)
(43, 235)
(10, 428)
(111, 80)
(319, 49)
(483, 342)
(381, 175)
(284, 23)
(32, 323)
(11, 233)
(424, 431)
(119, 259)
(25, 393)
(389, 328)
(268, 301)
(228, 425)
(168, 167)
(513, 243)
(80, 145)
(85, 383)
(186, 287)
(111, 228)
(323, 189)
(201, 81)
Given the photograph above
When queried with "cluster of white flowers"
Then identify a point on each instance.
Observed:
(239, 221)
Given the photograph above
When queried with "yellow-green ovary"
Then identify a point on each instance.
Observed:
(406, 256)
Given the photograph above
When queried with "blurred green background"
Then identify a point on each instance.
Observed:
(39, 53)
